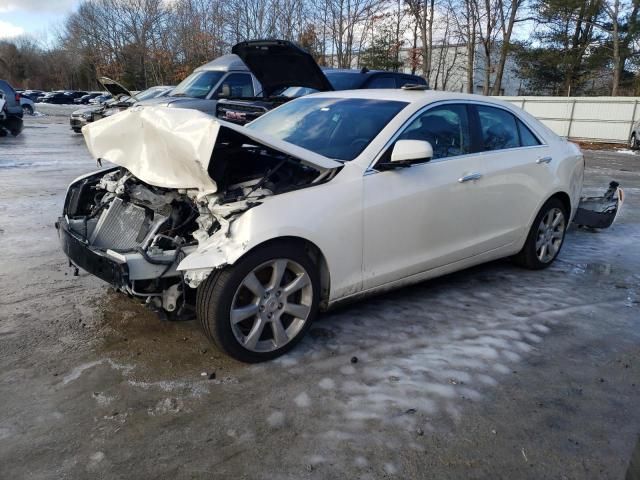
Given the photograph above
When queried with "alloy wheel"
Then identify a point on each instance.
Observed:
(271, 305)
(550, 235)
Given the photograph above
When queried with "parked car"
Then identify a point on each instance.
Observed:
(28, 106)
(327, 198)
(58, 98)
(33, 95)
(121, 100)
(208, 83)
(86, 98)
(100, 99)
(12, 121)
(634, 137)
(285, 71)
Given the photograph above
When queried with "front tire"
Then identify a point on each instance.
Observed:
(260, 307)
(634, 142)
(546, 236)
(27, 110)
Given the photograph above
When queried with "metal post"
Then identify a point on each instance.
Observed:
(633, 118)
(573, 107)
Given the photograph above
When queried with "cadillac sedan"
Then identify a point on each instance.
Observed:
(322, 200)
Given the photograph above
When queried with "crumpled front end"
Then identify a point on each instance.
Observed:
(176, 190)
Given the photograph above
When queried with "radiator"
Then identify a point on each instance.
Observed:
(122, 226)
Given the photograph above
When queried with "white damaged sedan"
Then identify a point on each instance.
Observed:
(326, 198)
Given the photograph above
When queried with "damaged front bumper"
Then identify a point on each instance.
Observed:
(600, 212)
(121, 270)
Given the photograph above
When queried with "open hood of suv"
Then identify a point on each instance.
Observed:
(173, 147)
(114, 88)
(279, 63)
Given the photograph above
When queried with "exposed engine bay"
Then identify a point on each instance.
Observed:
(134, 235)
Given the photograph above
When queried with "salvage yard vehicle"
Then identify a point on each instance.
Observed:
(634, 136)
(11, 120)
(286, 71)
(325, 199)
(122, 99)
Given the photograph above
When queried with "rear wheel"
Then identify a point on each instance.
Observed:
(546, 236)
(27, 110)
(262, 306)
(634, 142)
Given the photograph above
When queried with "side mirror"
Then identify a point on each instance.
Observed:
(225, 91)
(408, 151)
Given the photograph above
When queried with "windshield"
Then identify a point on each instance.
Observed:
(344, 80)
(198, 84)
(152, 92)
(338, 128)
(294, 92)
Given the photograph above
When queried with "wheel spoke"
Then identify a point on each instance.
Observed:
(298, 283)
(297, 310)
(279, 267)
(254, 335)
(242, 313)
(254, 285)
(557, 219)
(539, 242)
(279, 333)
(543, 252)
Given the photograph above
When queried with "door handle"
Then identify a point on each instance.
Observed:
(544, 160)
(471, 176)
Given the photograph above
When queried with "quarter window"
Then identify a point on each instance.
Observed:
(446, 127)
(499, 128)
(527, 138)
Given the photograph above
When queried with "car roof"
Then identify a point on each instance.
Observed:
(409, 96)
(224, 63)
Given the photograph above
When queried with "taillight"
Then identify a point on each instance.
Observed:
(17, 97)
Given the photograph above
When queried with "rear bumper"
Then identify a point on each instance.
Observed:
(600, 212)
(92, 261)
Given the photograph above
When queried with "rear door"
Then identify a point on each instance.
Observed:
(517, 170)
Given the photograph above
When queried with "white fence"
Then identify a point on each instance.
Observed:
(598, 119)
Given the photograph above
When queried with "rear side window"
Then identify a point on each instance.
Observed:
(446, 127)
(527, 138)
(382, 82)
(499, 128)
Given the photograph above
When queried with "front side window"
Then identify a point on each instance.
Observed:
(198, 84)
(236, 85)
(338, 128)
(445, 127)
(499, 128)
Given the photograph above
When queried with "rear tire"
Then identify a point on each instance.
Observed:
(545, 238)
(272, 295)
(634, 142)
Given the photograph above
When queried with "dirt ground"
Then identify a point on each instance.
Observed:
(493, 372)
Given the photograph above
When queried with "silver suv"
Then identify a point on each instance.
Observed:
(634, 137)
(225, 77)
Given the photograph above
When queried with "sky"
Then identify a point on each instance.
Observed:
(39, 18)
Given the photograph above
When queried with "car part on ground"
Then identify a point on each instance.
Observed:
(600, 212)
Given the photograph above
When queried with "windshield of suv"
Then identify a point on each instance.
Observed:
(338, 128)
(198, 84)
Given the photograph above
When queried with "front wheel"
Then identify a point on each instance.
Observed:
(634, 142)
(545, 237)
(262, 306)
(27, 110)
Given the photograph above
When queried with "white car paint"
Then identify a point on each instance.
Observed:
(375, 229)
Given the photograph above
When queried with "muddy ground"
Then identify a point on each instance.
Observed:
(493, 372)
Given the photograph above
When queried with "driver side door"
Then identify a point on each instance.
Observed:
(424, 216)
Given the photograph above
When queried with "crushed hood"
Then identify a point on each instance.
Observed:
(279, 63)
(172, 148)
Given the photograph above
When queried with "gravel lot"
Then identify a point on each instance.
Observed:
(493, 372)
